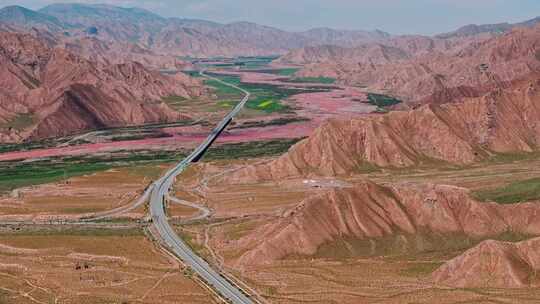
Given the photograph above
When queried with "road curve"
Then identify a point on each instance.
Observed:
(122, 209)
(163, 230)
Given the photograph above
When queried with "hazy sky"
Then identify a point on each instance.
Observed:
(394, 16)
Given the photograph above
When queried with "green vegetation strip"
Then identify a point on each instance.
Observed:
(280, 72)
(274, 122)
(323, 80)
(382, 100)
(516, 192)
(20, 174)
(266, 98)
(250, 149)
(24, 174)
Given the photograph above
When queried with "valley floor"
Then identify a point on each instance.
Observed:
(111, 260)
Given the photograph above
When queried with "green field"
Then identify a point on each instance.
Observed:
(19, 174)
(175, 102)
(25, 174)
(224, 91)
(245, 63)
(274, 122)
(265, 98)
(267, 106)
(229, 104)
(254, 62)
(280, 72)
(516, 192)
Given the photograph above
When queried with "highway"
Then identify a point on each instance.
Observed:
(163, 230)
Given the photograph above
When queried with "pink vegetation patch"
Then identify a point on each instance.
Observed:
(317, 107)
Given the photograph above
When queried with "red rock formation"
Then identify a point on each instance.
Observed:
(506, 120)
(43, 82)
(373, 213)
(438, 70)
(371, 53)
(493, 264)
(82, 107)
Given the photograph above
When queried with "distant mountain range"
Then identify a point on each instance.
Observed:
(175, 36)
(499, 28)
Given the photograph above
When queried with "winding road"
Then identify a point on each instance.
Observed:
(166, 234)
(122, 209)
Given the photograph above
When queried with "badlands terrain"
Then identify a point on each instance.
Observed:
(364, 167)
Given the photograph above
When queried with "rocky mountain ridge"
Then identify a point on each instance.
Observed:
(376, 220)
(56, 92)
(174, 36)
(421, 70)
(506, 120)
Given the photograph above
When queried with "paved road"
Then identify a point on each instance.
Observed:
(122, 209)
(167, 234)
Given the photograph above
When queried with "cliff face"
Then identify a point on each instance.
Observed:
(505, 120)
(52, 86)
(425, 70)
(418, 217)
(493, 264)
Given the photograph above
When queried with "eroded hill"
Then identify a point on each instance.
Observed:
(429, 70)
(503, 121)
(369, 220)
(47, 91)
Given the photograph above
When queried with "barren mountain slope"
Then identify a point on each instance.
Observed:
(476, 29)
(108, 53)
(36, 76)
(439, 72)
(103, 52)
(173, 36)
(19, 16)
(83, 107)
(392, 49)
(505, 120)
(493, 264)
(375, 219)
